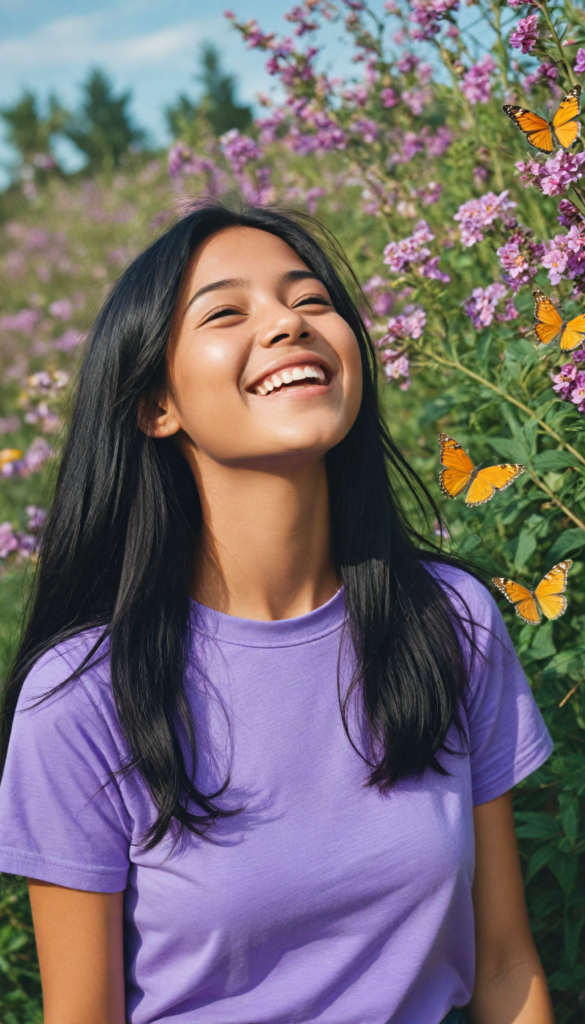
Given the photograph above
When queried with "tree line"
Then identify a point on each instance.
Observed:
(102, 128)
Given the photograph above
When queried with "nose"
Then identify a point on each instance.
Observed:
(283, 324)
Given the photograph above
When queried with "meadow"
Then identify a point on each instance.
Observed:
(450, 220)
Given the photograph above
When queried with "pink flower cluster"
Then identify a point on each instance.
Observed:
(525, 35)
(426, 16)
(408, 324)
(24, 321)
(579, 68)
(381, 298)
(519, 258)
(412, 253)
(564, 256)
(239, 149)
(482, 305)
(18, 541)
(554, 176)
(476, 85)
(569, 383)
(477, 215)
(35, 458)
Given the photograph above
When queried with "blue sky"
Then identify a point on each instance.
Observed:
(148, 46)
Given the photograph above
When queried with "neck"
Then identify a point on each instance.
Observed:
(265, 546)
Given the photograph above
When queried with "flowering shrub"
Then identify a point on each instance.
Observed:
(450, 219)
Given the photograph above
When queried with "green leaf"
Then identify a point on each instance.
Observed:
(542, 646)
(570, 817)
(539, 859)
(509, 449)
(553, 462)
(564, 867)
(569, 542)
(526, 546)
(536, 825)
(573, 926)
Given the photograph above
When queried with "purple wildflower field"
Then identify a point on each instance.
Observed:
(450, 219)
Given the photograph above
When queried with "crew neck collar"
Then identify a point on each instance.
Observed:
(275, 633)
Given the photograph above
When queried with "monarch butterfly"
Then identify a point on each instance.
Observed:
(547, 599)
(459, 474)
(564, 128)
(550, 325)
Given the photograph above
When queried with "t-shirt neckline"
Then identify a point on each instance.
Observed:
(274, 633)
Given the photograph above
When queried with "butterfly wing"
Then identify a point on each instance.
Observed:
(458, 467)
(536, 129)
(491, 479)
(548, 321)
(522, 599)
(565, 126)
(573, 333)
(550, 591)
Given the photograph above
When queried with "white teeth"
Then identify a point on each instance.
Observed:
(288, 376)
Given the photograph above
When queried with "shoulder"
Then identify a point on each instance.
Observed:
(467, 593)
(71, 678)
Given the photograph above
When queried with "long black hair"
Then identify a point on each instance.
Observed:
(121, 542)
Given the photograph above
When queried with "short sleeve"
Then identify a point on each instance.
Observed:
(508, 738)
(62, 816)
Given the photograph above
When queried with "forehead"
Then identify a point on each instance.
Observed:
(241, 252)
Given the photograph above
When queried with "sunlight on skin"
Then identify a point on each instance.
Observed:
(259, 458)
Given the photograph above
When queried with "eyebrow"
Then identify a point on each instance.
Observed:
(240, 282)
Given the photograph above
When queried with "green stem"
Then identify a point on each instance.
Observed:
(553, 32)
(457, 365)
(556, 501)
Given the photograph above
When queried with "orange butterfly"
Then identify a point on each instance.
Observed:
(547, 599)
(550, 325)
(563, 130)
(459, 474)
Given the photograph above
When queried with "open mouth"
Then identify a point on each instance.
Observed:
(307, 376)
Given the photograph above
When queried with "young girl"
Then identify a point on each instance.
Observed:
(259, 743)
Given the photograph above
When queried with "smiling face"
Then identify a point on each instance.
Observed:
(261, 369)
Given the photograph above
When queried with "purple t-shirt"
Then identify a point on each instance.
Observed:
(324, 900)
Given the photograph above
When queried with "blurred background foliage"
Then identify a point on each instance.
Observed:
(412, 137)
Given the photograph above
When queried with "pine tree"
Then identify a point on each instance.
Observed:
(218, 101)
(102, 128)
(30, 132)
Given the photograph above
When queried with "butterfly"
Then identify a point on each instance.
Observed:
(563, 130)
(549, 324)
(460, 475)
(547, 599)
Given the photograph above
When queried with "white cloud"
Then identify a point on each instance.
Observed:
(82, 40)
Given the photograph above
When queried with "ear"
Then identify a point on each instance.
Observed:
(157, 416)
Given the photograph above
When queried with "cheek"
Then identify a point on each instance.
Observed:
(350, 356)
(204, 378)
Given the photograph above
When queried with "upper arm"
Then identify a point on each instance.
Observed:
(501, 920)
(80, 945)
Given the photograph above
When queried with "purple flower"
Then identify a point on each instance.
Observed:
(389, 97)
(519, 258)
(579, 68)
(438, 143)
(36, 518)
(569, 214)
(24, 321)
(268, 125)
(525, 35)
(239, 149)
(426, 16)
(476, 215)
(8, 540)
(412, 252)
(380, 296)
(476, 86)
(366, 128)
(481, 306)
(409, 324)
(577, 394)
(62, 309)
(555, 262)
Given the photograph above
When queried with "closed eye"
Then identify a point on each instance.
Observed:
(224, 311)
(312, 300)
